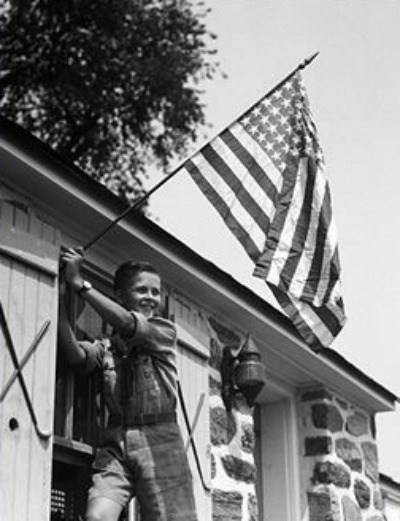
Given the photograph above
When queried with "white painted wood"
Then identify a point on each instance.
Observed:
(278, 472)
(29, 297)
(193, 375)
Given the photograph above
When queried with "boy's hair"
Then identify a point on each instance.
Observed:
(128, 270)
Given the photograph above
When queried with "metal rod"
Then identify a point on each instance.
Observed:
(196, 419)
(44, 435)
(196, 456)
(143, 198)
(24, 360)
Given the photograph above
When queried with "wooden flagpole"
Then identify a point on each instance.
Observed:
(136, 204)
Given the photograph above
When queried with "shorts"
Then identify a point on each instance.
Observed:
(148, 463)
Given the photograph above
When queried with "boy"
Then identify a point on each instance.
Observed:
(142, 451)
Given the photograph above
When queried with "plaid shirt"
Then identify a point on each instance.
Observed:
(142, 381)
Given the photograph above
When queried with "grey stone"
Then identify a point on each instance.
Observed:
(357, 424)
(213, 467)
(248, 438)
(326, 416)
(327, 472)
(371, 460)
(317, 445)
(376, 517)
(349, 453)
(362, 493)
(215, 354)
(316, 394)
(253, 508)
(239, 404)
(323, 506)
(351, 511)
(215, 386)
(223, 426)
(342, 404)
(378, 500)
(226, 506)
(239, 469)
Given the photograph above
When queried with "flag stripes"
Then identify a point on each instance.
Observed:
(317, 325)
(265, 176)
(236, 218)
(234, 144)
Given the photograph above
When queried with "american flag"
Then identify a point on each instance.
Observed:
(265, 176)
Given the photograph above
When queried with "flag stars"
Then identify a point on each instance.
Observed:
(273, 128)
(284, 120)
(276, 156)
(282, 125)
(253, 130)
(275, 111)
(288, 86)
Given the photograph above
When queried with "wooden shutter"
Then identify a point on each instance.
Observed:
(28, 292)
(193, 354)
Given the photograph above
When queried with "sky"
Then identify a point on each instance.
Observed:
(353, 88)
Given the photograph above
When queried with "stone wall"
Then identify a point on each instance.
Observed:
(233, 471)
(340, 473)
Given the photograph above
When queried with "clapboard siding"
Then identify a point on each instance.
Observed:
(28, 295)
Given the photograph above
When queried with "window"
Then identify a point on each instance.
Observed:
(79, 415)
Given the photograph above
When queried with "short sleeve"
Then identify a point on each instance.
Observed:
(154, 333)
(94, 352)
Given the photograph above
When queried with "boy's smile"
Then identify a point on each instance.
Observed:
(143, 294)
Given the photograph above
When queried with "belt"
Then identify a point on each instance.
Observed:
(150, 419)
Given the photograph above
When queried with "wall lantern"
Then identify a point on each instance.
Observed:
(243, 373)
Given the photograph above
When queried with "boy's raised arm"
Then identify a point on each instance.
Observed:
(112, 312)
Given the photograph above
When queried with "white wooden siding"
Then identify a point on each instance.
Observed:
(28, 293)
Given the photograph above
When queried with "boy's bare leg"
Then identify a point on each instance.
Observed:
(103, 509)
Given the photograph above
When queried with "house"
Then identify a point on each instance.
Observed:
(390, 490)
(306, 450)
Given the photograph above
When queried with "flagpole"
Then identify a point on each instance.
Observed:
(142, 199)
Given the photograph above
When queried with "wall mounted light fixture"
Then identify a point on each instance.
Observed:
(242, 374)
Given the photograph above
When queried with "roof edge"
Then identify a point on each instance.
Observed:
(21, 137)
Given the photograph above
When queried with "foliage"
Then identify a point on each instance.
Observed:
(110, 84)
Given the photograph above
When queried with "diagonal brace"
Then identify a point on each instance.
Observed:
(195, 453)
(25, 359)
(44, 435)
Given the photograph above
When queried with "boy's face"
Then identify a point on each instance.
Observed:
(142, 294)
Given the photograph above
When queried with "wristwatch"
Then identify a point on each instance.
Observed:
(86, 286)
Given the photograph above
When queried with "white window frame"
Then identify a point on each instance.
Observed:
(277, 457)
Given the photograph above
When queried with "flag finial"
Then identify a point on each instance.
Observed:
(307, 61)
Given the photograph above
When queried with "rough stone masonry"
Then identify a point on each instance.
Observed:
(340, 472)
